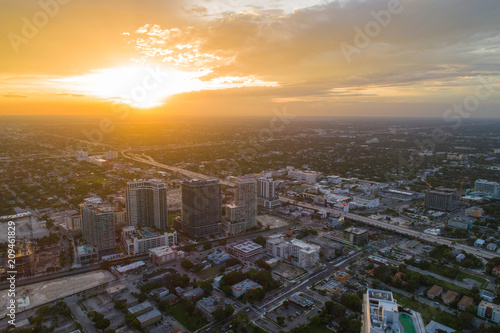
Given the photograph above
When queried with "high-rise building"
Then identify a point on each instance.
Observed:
(266, 188)
(243, 214)
(81, 155)
(380, 312)
(266, 193)
(98, 228)
(201, 207)
(441, 198)
(487, 187)
(147, 204)
(110, 155)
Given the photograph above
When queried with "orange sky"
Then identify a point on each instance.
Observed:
(241, 57)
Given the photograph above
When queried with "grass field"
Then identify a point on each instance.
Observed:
(407, 323)
(428, 312)
(314, 328)
(208, 273)
(462, 276)
(191, 322)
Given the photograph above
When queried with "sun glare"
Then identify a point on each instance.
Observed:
(148, 86)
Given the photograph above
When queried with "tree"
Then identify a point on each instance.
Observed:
(262, 264)
(232, 262)
(286, 303)
(105, 264)
(206, 286)
(102, 324)
(254, 295)
(260, 240)
(226, 289)
(353, 302)
(187, 264)
(281, 321)
(465, 320)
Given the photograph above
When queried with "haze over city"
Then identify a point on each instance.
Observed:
(249, 166)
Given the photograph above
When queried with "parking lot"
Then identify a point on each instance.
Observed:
(103, 304)
(294, 314)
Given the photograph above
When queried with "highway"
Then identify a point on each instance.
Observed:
(396, 228)
(190, 174)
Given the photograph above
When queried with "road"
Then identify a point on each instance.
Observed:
(74, 271)
(396, 228)
(190, 174)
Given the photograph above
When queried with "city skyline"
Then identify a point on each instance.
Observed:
(240, 58)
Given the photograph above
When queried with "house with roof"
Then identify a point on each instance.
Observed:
(479, 242)
(465, 302)
(435, 291)
(449, 297)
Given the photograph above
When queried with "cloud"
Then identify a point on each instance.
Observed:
(13, 96)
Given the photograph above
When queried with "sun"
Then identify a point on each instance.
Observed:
(149, 86)
(138, 86)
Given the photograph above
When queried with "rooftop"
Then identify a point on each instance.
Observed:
(245, 285)
(247, 246)
(466, 301)
(148, 315)
(356, 231)
(139, 307)
(212, 303)
(302, 301)
(435, 290)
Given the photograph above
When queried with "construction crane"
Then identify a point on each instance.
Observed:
(452, 181)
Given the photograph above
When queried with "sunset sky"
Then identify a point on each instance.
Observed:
(244, 57)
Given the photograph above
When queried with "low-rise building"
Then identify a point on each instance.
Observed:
(164, 254)
(300, 301)
(465, 302)
(159, 292)
(366, 201)
(434, 292)
(449, 297)
(474, 212)
(300, 253)
(209, 305)
(140, 308)
(433, 327)
(341, 276)
(218, 257)
(193, 294)
(461, 222)
(491, 247)
(356, 235)
(245, 249)
(489, 310)
(149, 318)
(240, 288)
(135, 241)
(487, 295)
(115, 290)
(479, 242)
